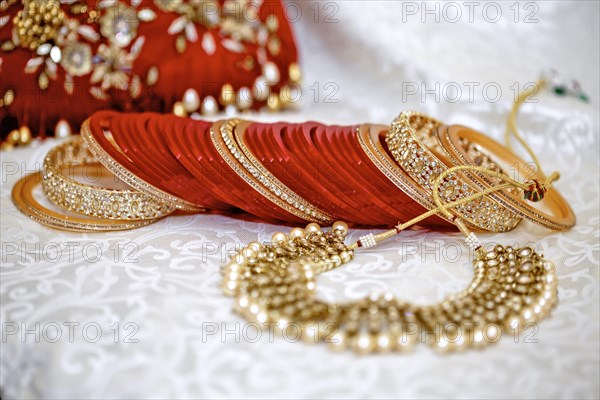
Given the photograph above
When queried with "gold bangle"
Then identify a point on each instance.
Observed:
(465, 146)
(22, 196)
(226, 138)
(412, 146)
(89, 200)
(131, 179)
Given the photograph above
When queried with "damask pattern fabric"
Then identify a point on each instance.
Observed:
(144, 308)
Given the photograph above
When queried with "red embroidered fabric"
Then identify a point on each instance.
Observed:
(151, 55)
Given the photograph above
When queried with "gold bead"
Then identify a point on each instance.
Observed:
(279, 237)
(227, 95)
(297, 233)
(338, 341)
(312, 228)
(383, 342)
(294, 72)
(43, 81)
(248, 253)
(6, 146)
(310, 333)
(273, 102)
(180, 44)
(337, 260)
(152, 76)
(363, 343)
(9, 97)
(14, 137)
(404, 341)
(255, 246)
(179, 109)
(24, 135)
(272, 22)
(443, 346)
(340, 226)
(289, 95)
(346, 256)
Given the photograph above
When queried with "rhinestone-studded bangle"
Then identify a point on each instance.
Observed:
(93, 201)
(409, 142)
(241, 160)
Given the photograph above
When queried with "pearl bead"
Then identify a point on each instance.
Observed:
(260, 89)
(56, 54)
(62, 129)
(152, 76)
(297, 233)
(312, 227)
(279, 237)
(271, 72)
(191, 100)
(340, 226)
(209, 105)
(244, 98)
(231, 110)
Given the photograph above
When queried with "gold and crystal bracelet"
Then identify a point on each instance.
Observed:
(413, 144)
(22, 196)
(90, 200)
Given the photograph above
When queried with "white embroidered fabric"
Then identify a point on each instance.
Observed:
(140, 314)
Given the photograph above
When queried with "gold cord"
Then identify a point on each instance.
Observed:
(511, 129)
(511, 123)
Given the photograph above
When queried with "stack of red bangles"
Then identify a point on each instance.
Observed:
(368, 175)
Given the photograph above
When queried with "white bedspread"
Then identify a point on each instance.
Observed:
(140, 313)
